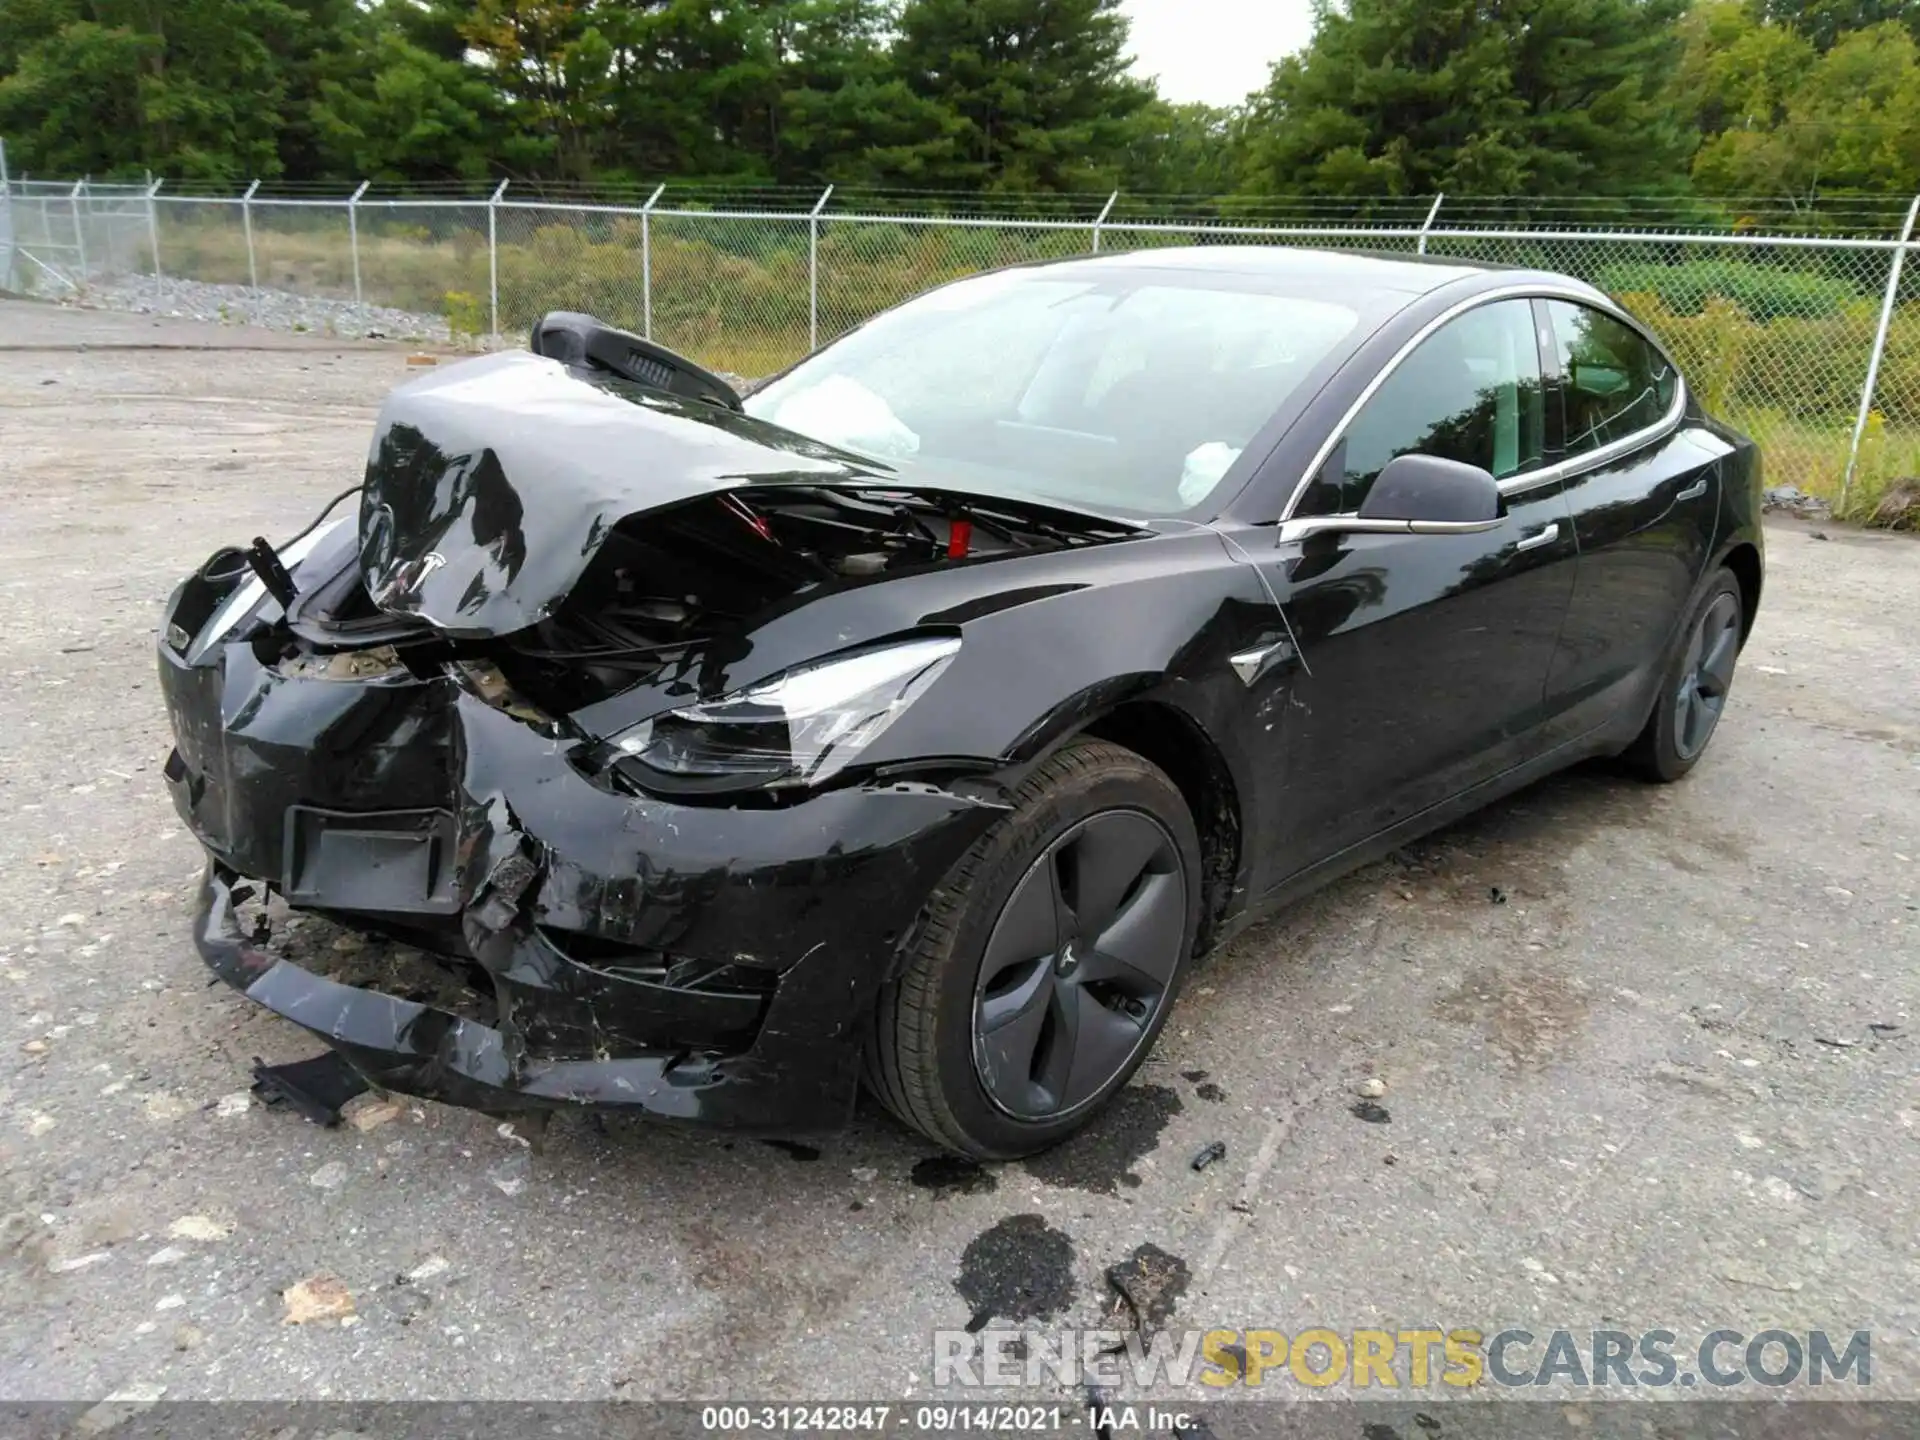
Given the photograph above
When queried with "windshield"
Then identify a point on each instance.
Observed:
(1128, 394)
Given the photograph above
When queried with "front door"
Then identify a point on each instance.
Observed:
(1422, 658)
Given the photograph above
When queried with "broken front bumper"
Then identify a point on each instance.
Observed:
(695, 962)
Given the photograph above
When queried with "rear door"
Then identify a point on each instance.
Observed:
(1642, 488)
(1423, 657)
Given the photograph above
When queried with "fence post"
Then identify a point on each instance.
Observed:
(353, 234)
(1101, 219)
(12, 236)
(493, 257)
(153, 225)
(1879, 348)
(79, 234)
(1427, 224)
(246, 221)
(813, 269)
(646, 262)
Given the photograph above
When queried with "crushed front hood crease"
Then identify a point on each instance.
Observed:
(491, 484)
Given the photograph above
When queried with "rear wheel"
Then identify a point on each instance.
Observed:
(1693, 692)
(1050, 958)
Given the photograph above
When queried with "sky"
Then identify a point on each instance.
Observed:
(1214, 50)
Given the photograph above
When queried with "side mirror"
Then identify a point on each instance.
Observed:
(1428, 488)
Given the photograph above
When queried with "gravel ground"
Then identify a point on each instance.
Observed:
(1670, 1081)
(268, 309)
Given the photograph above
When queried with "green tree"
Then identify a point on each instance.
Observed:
(1188, 149)
(187, 88)
(1784, 120)
(1533, 97)
(1823, 22)
(1020, 95)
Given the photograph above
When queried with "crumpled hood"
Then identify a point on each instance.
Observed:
(491, 484)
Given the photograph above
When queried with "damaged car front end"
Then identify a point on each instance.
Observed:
(590, 704)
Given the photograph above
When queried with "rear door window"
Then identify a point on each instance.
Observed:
(1613, 383)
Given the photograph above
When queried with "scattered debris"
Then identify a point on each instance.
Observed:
(1210, 1092)
(1194, 1075)
(186, 1337)
(508, 1185)
(1371, 1111)
(1835, 1042)
(952, 1174)
(377, 1113)
(317, 1087)
(1496, 895)
(40, 1124)
(865, 1174)
(1795, 501)
(423, 359)
(318, 1297)
(34, 1047)
(1150, 1282)
(1207, 1154)
(1371, 1088)
(167, 1255)
(236, 1103)
(428, 1268)
(198, 1227)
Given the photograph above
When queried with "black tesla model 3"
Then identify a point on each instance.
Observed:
(921, 718)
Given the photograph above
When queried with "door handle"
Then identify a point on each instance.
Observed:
(1545, 537)
(1693, 491)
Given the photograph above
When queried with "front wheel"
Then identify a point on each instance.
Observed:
(1049, 961)
(1694, 690)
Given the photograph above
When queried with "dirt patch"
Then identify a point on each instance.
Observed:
(1529, 1016)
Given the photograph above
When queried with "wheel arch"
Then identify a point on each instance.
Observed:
(1180, 746)
(1743, 559)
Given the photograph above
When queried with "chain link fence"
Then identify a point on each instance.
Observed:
(1803, 331)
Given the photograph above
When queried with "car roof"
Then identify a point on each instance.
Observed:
(1286, 266)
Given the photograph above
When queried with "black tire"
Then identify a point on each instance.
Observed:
(928, 1059)
(1693, 691)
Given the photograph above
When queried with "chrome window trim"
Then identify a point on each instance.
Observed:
(1354, 525)
(1529, 479)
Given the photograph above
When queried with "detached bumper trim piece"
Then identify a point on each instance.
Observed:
(415, 1049)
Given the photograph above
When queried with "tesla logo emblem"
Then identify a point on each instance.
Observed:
(407, 577)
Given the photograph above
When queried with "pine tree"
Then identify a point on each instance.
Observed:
(1524, 97)
(1021, 94)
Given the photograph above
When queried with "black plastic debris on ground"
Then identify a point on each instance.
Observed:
(317, 1088)
(1371, 1111)
(1210, 1153)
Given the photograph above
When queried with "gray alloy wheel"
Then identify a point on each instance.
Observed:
(1693, 690)
(1079, 964)
(1049, 958)
(1706, 673)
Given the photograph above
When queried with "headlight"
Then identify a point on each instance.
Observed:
(799, 728)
